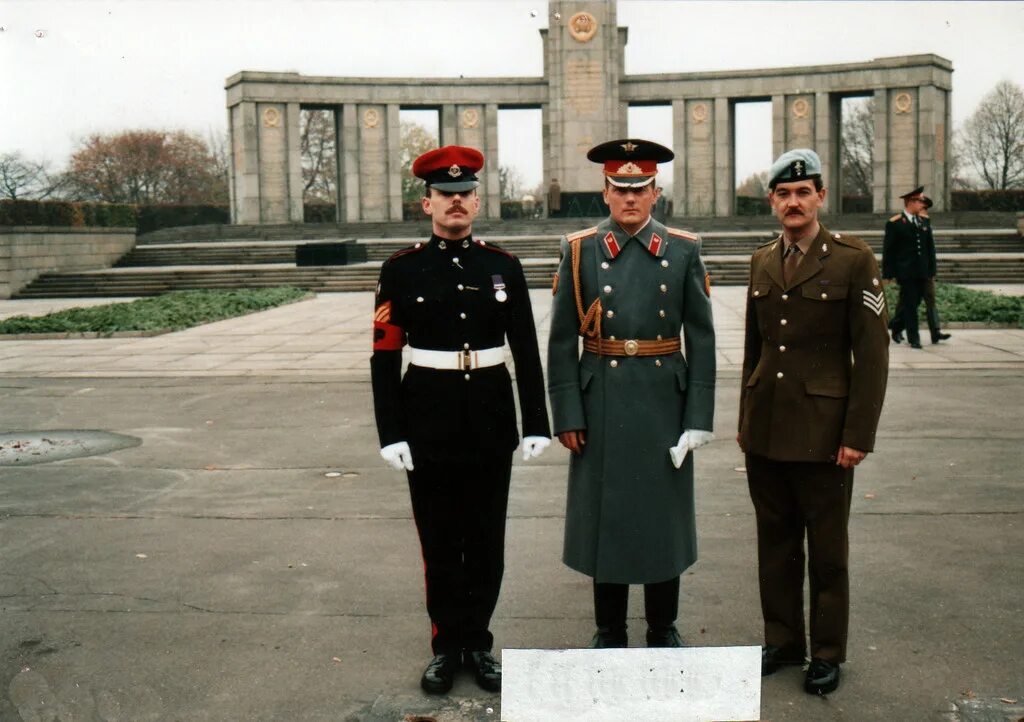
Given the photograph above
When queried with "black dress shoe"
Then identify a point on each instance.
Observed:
(915, 345)
(439, 675)
(822, 677)
(772, 658)
(667, 636)
(941, 337)
(486, 669)
(897, 336)
(609, 638)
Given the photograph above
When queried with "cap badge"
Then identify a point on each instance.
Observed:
(455, 171)
(798, 167)
(629, 147)
(630, 168)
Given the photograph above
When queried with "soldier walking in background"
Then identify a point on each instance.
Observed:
(928, 293)
(451, 421)
(632, 406)
(815, 365)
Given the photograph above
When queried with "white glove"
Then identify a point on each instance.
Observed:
(533, 446)
(691, 439)
(398, 455)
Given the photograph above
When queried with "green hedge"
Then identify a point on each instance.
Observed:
(171, 215)
(1011, 200)
(66, 213)
(961, 304)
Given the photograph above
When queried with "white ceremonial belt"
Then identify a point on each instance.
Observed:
(457, 360)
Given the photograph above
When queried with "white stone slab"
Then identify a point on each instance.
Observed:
(692, 684)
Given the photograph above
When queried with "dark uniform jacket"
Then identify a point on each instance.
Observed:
(451, 296)
(816, 352)
(908, 250)
(630, 514)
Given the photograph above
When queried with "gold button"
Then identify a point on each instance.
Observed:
(607, 289)
(604, 265)
(467, 377)
(785, 297)
(610, 313)
(757, 293)
(664, 264)
(455, 259)
(657, 362)
(659, 336)
(783, 322)
(419, 299)
(460, 287)
(613, 363)
(824, 296)
(611, 338)
(664, 288)
(779, 375)
(662, 313)
(418, 245)
(462, 315)
(465, 346)
(782, 348)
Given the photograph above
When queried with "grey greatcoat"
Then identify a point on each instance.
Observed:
(629, 511)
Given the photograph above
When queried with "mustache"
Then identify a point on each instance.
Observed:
(455, 209)
(794, 213)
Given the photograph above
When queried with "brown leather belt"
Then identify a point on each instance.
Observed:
(631, 347)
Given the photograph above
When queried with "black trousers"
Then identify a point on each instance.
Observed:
(459, 507)
(791, 499)
(896, 323)
(661, 604)
(912, 290)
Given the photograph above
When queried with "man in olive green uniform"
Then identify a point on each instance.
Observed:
(631, 407)
(815, 366)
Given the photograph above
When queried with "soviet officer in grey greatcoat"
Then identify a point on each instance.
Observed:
(631, 406)
(815, 365)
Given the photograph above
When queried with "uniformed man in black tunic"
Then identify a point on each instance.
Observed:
(451, 421)
(908, 255)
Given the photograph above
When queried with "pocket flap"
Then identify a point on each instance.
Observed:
(760, 290)
(831, 387)
(585, 378)
(823, 293)
(754, 377)
(681, 379)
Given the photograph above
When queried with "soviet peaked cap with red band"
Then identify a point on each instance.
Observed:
(451, 168)
(630, 162)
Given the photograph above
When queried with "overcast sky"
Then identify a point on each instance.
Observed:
(68, 69)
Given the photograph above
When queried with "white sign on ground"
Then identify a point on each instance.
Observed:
(693, 684)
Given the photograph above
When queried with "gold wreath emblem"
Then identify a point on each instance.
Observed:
(903, 102)
(271, 118)
(371, 118)
(454, 171)
(699, 113)
(470, 118)
(800, 108)
(630, 168)
(582, 27)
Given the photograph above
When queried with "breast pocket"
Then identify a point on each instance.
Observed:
(824, 305)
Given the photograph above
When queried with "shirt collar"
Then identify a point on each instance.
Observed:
(448, 245)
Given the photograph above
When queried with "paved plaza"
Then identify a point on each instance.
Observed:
(252, 558)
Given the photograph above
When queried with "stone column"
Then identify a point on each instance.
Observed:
(245, 171)
(880, 153)
(778, 126)
(902, 110)
(680, 147)
(491, 202)
(394, 163)
(296, 213)
(700, 159)
(372, 120)
(447, 134)
(931, 145)
(826, 133)
(725, 167)
(349, 189)
(272, 132)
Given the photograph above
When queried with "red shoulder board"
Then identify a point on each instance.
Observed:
(489, 247)
(585, 233)
(406, 251)
(679, 233)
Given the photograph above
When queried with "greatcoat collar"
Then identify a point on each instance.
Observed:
(612, 239)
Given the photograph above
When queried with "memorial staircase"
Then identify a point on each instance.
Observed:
(971, 247)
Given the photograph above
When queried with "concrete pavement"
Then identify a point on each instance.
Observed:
(253, 559)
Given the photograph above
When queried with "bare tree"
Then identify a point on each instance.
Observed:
(856, 148)
(23, 179)
(415, 141)
(992, 139)
(318, 148)
(754, 186)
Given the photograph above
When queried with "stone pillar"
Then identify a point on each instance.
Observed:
(296, 212)
(349, 189)
(472, 127)
(880, 153)
(447, 134)
(394, 163)
(902, 107)
(680, 147)
(700, 159)
(372, 147)
(582, 63)
(725, 166)
(491, 202)
(779, 111)
(931, 145)
(801, 114)
(245, 172)
(826, 135)
(273, 162)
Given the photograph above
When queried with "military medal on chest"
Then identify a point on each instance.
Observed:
(499, 288)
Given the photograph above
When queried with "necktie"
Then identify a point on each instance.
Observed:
(790, 261)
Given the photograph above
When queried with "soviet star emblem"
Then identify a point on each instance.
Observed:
(629, 147)
(454, 171)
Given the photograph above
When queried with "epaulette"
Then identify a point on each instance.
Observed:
(494, 248)
(679, 233)
(419, 246)
(585, 233)
(851, 241)
(769, 242)
(896, 217)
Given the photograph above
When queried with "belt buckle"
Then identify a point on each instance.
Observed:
(631, 347)
(467, 360)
